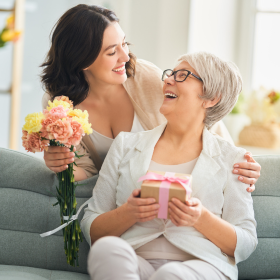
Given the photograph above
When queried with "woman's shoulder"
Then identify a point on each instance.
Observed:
(229, 151)
(146, 71)
(142, 64)
(45, 99)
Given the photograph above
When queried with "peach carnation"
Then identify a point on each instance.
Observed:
(46, 122)
(76, 137)
(32, 142)
(59, 130)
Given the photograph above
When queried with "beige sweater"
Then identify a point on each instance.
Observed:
(145, 92)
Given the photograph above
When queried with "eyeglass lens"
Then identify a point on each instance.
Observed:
(180, 75)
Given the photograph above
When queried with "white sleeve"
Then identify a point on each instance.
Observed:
(220, 129)
(238, 211)
(104, 193)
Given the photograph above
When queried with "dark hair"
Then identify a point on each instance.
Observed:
(76, 42)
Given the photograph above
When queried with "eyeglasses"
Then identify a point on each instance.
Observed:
(179, 75)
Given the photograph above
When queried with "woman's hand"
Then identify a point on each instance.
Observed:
(185, 214)
(141, 209)
(58, 158)
(249, 171)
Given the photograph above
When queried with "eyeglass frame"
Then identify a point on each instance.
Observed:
(175, 72)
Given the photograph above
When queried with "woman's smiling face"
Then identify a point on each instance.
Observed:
(109, 66)
(186, 103)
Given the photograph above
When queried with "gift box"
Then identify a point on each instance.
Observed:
(163, 186)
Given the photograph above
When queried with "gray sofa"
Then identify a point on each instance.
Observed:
(26, 210)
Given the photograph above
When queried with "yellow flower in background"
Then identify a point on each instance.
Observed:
(79, 114)
(85, 124)
(7, 35)
(10, 22)
(56, 103)
(33, 122)
(10, 35)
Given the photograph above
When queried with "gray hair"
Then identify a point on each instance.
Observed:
(221, 79)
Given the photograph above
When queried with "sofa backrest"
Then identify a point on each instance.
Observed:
(264, 263)
(26, 202)
(26, 187)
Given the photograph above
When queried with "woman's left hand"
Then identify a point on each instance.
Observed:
(249, 171)
(182, 214)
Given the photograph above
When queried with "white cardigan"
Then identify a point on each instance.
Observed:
(213, 183)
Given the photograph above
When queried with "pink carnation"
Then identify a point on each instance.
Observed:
(59, 130)
(76, 137)
(58, 112)
(32, 142)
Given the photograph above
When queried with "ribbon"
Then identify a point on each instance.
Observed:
(66, 218)
(166, 180)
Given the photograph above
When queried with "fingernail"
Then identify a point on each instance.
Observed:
(236, 165)
(235, 171)
(241, 178)
(153, 200)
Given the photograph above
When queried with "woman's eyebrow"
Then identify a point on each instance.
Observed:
(112, 46)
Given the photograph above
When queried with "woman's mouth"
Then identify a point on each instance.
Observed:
(170, 95)
(120, 70)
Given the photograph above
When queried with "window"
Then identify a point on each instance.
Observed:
(266, 54)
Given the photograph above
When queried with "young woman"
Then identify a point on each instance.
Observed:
(89, 61)
(207, 235)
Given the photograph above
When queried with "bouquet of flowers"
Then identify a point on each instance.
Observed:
(60, 125)
(9, 33)
(264, 107)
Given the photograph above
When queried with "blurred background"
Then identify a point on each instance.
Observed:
(245, 32)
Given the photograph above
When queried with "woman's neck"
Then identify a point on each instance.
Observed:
(181, 134)
(99, 90)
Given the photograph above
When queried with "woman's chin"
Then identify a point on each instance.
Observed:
(164, 110)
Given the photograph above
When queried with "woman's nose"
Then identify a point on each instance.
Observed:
(124, 57)
(170, 80)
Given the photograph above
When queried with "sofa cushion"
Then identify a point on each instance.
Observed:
(26, 187)
(11, 272)
(265, 260)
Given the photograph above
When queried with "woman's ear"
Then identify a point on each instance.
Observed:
(211, 103)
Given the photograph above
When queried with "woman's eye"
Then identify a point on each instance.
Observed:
(182, 75)
(112, 53)
(124, 44)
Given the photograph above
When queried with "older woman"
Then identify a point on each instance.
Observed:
(206, 236)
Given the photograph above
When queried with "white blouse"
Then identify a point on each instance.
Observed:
(103, 143)
(213, 183)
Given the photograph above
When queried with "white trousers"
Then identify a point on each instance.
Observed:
(112, 258)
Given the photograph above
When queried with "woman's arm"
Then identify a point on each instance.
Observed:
(116, 222)
(235, 234)
(58, 158)
(103, 217)
(193, 213)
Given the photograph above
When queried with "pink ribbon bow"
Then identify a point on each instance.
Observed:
(166, 181)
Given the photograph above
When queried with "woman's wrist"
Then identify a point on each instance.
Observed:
(204, 217)
(124, 212)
